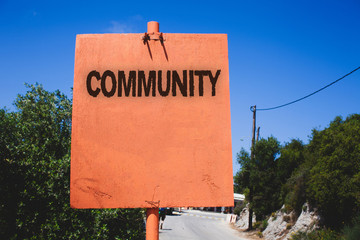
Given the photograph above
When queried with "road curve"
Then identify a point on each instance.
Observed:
(197, 225)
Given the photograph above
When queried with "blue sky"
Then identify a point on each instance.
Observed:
(278, 51)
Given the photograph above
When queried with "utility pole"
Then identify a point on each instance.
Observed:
(257, 134)
(253, 109)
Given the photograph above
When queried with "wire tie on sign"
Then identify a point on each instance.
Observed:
(156, 36)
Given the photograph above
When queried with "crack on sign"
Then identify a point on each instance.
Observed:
(99, 193)
(207, 178)
(153, 203)
(83, 184)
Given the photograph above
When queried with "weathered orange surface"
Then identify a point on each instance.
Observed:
(151, 151)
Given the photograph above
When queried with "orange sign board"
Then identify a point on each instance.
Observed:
(151, 122)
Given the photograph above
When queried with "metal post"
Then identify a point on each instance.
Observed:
(153, 27)
(253, 109)
(152, 214)
(152, 223)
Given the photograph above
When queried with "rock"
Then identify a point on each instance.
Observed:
(281, 225)
(278, 225)
(307, 221)
(243, 220)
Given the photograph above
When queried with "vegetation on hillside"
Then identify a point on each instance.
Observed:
(35, 172)
(324, 173)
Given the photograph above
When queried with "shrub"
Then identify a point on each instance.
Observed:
(352, 232)
(274, 216)
(239, 207)
(286, 218)
(299, 236)
(256, 224)
(35, 177)
(237, 211)
(323, 234)
(264, 225)
(304, 208)
(334, 182)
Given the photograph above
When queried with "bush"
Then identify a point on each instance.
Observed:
(239, 207)
(323, 234)
(264, 225)
(325, 173)
(352, 232)
(299, 236)
(261, 225)
(35, 177)
(256, 225)
(288, 225)
(237, 210)
(334, 182)
(286, 218)
(304, 208)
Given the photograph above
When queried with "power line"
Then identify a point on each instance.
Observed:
(286, 104)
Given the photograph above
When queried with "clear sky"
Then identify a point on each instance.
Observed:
(278, 51)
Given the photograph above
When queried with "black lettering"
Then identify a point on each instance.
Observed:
(191, 83)
(167, 90)
(147, 86)
(213, 81)
(146, 82)
(88, 83)
(201, 74)
(181, 84)
(131, 83)
(110, 74)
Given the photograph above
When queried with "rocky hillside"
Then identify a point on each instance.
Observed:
(281, 225)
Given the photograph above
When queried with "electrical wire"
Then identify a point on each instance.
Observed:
(286, 104)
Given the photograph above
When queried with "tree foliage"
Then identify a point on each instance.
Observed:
(325, 173)
(334, 181)
(292, 175)
(260, 175)
(242, 178)
(263, 177)
(35, 175)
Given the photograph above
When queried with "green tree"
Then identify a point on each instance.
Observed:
(334, 181)
(260, 175)
(11, 183)
(291, 156)
(325, 173)
(242, 177)
(292, 176)
(263, 177)
(35, 173)
(294, 189)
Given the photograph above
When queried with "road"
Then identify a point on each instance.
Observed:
(194, 224)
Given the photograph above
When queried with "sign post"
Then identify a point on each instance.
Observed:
(152, 223)
(151, 113)
(152, 214)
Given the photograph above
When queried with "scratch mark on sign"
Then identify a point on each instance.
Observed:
(208, 179)
(98, 193)
(84, 184)
(153, 203)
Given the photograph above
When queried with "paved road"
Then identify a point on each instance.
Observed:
(197, 225)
